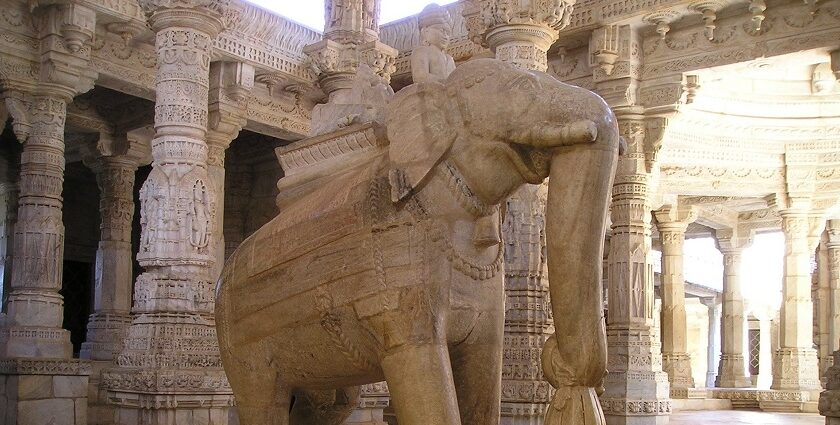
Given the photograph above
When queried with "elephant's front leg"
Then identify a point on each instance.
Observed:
(477, 366)
(420, 381)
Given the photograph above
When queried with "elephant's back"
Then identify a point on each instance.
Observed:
(320, 241)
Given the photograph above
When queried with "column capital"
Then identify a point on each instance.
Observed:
(518, 32)
(351, 38)
(732, 242)
(230, 89)
(202, 15)
(675, 219)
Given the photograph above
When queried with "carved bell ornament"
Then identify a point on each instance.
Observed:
(708, 10)
(662, 19)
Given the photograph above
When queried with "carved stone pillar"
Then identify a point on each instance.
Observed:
(795, 365)
(637, 390)
(351, 39)
(170, 357)
(7, 235)
(672, 223)
(732, 368)
(36, 351)
(829, 404)
(238, 180)
(521, 34)
(823, 307)
(518, 32)
(111, 318)
(230, 85)
(114, 262)
(713, 305)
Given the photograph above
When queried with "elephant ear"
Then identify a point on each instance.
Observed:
(420, 132)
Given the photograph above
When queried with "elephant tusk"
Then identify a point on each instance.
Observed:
(549, 136)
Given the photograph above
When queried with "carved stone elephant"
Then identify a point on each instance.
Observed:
(392, 269)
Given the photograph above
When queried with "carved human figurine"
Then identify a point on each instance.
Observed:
(199, 217)
(429, 61)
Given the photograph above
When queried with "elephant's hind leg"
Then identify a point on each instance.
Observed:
(420, 381)
(261, 397)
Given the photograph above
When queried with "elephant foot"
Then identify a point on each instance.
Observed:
(421, 385)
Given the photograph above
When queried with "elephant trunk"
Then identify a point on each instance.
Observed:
(574, 358)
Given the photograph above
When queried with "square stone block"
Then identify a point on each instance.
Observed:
(34, 387)
(70, 386)
(183, 416)
(127, 416)
(53, 411)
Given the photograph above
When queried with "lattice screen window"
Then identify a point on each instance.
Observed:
(755, 350)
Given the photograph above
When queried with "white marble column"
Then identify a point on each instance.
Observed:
(713, 304)
(169, 371)
(823, 307)
(39, 379)
(114, 257)
(796, 361)
(672, 223)
(637, 390)
(732, 371)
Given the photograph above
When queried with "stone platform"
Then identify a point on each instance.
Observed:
(770, 400)
(43, 391)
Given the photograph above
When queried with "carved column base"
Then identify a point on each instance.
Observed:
(38, 392)
(678, 368)
(105, 334)
(636, 389)
(796, 369)
(731, 372)
(33, 326)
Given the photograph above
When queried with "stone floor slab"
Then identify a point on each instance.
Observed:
(742, 417)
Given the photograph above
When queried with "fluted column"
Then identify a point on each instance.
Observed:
(795, 366)
(523, 42)
(672, 223)
(172, 340)
(732, 368)
(637, 390)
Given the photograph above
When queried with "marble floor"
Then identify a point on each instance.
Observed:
(744, 417)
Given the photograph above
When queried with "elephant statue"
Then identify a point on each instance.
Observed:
(391, 268)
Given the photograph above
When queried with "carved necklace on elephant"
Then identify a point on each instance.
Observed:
(485, 232)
